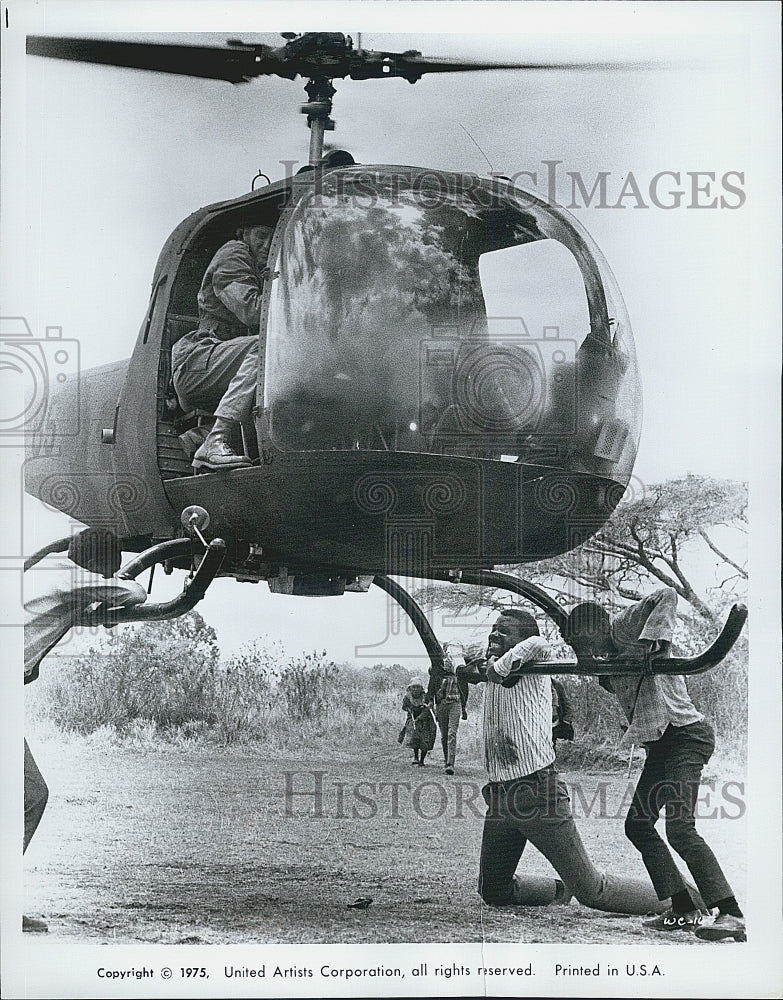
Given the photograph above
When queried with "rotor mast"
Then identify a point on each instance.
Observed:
(318, 109)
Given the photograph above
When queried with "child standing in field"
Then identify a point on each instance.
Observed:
(418, 733)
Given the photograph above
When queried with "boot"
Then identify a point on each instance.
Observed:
(216, 452)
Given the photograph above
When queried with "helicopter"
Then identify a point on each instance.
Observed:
(411, 420)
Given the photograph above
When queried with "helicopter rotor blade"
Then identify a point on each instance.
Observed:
(233, 64)
(412, 67)
(330, 57)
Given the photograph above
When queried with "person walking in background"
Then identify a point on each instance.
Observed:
(448, 711)
(424, 732)
(419, 730)
(562, 717)
(678, 742)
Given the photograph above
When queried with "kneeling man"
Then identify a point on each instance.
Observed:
(526, 801)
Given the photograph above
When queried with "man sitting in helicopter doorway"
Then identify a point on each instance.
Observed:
(678, 742)
(215, 366)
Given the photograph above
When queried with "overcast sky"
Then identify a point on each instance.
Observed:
(105, 162)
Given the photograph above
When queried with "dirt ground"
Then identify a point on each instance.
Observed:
(210, 845)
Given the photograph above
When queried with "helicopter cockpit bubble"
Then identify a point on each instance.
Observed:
(417, 312)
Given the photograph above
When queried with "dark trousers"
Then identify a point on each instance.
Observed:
(670, 779)
(448, 714)
(36, 795)
(537, 808)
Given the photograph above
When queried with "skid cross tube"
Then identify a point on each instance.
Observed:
(427, 636)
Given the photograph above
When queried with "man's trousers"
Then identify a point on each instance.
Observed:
(537, 808)
(219, 376)
(448, 714)
(670, 779)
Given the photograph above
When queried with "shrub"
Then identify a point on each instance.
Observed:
(308, 684)
(162, 672)
(168, 678)
(244, 691)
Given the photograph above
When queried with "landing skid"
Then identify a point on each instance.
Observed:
(587, 665)
(215, 551)
(619, 666)
(192, 592)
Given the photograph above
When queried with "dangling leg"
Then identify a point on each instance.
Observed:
(235, 404)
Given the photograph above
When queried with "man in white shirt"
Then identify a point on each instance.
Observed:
(526, 800)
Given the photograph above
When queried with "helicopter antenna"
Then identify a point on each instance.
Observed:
(491, 168)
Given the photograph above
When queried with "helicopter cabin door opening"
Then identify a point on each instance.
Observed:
(183, 426)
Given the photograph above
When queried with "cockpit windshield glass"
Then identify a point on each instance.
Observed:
(415, 313)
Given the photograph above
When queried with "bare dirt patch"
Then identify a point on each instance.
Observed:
(204, 845)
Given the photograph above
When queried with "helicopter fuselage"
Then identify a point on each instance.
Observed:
(417, 410)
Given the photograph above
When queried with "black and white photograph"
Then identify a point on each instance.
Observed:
(391, 499)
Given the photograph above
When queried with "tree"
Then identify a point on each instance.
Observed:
(647, 537)
(673, 535)
(662, 537)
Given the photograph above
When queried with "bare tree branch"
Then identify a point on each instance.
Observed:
(722, 555)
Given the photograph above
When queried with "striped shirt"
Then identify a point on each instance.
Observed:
(518, 720)
(650, 703)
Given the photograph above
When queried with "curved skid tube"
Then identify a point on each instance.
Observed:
(173, 549)
(614, 667)
(706, 660)
(505, 581)
(192, 592)
(473, 674)
(60, 545)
